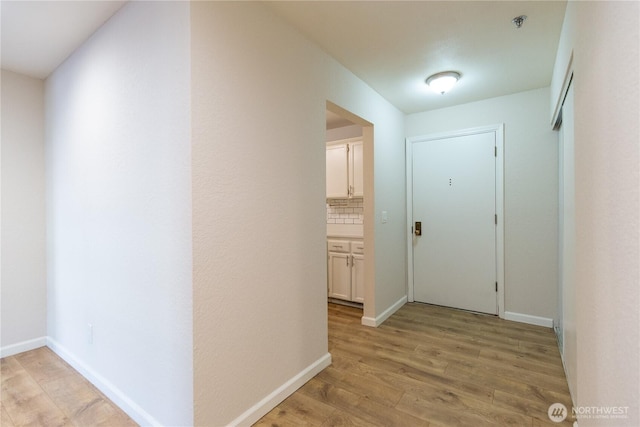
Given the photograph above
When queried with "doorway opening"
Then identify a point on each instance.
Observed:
(349, 205)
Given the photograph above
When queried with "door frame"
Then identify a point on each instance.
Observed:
(369, 315)
(498, 129)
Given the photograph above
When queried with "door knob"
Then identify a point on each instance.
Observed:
(418, 228)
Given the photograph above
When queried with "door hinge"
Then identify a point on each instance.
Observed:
(496, 219)
(495, 151)
(496, 286)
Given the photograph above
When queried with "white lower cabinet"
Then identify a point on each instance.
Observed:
(339, 276)
(346, 269)
(357, 278)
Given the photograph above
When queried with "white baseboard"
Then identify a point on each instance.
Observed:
(527, 318)
(116, 395)
(257, 411)
(20, 347)
(377, 321)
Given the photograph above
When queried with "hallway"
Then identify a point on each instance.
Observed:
(430, 365)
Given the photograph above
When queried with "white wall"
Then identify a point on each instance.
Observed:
(531, 190)
(23, 215)
(560, 76)
(118, 172)
(259, 102)
(607, 200)
(260, 315)
(388, 177)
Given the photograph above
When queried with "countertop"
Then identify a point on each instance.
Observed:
(351, 231)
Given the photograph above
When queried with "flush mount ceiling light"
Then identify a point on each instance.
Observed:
(443, 82)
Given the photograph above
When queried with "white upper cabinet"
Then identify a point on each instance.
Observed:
(337, 171)
(356, 174)
(345, 176)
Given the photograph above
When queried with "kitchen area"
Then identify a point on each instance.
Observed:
(345, 211)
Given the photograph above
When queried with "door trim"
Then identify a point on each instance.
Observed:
(499, 133)
(368, 305)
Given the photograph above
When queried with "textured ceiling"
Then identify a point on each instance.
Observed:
(391, 45)
(395, 45)
(336, 121)
(38, 35)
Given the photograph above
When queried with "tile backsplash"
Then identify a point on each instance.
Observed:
(345, 211)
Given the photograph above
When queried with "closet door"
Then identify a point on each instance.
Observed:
(566, 330)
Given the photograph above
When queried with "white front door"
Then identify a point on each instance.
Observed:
(454, 200)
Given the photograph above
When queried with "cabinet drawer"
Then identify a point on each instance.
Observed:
(357, 247)
(338, 246)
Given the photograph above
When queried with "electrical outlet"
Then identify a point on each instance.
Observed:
(90, 336)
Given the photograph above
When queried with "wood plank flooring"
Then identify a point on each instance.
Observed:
(425, 366)
(430, 366)
(40, 389)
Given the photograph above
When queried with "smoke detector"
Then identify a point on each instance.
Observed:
(519, 20)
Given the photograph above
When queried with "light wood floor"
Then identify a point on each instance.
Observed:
(429, 365)
(425, 365)
(40, 389)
